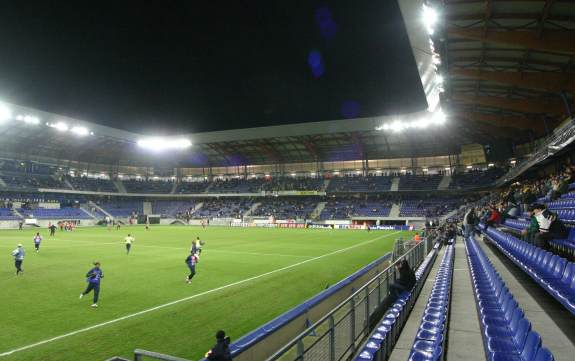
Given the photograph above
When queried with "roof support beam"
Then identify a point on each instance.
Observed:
(552, 82)
(551, 40)
(528, 105)
(499, 120)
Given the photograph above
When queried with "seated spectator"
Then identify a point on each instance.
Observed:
(405, 282)
(494, 217)
(550, 227)
(528, 234)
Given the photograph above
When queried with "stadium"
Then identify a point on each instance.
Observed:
(404, 191)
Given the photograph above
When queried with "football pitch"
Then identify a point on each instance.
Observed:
(245, 277)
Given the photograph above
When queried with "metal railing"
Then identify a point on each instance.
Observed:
(337, 335)
(139, 355)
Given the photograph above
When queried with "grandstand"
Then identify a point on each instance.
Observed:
(313, 219)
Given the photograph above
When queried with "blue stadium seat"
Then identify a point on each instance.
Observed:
(507, 334)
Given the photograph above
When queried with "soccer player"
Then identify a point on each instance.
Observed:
(118, 226)
(52, 230)
(18, 255)
(129, 239)
(199, 245)
(194, 249)
(93, 277)
(191, 261)
(37, 241)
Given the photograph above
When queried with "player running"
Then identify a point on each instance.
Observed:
(199, 245)
(37, 241)
(191, 261)
(93, 277)
(128, 240)
(18, 255)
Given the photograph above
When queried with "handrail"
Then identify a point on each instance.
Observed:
(138, 353)
(347, 301)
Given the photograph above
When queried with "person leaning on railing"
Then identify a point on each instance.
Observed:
(404, 282)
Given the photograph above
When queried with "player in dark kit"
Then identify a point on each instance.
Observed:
(93, 277)
(52, 230)
(191, 262)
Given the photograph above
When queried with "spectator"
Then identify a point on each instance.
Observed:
(528, 234)
(406, 279)
(550, 227)
(221, 350)
(494, 217)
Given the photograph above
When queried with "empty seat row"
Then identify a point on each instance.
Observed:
(381, 341)
(507, 334)
(516, 224)
(429, 340)
(554, 273)
(565, 203)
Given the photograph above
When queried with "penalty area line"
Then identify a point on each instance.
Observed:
(159, 307)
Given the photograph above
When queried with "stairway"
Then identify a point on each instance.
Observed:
(174, 187)
(17, 213)
(252, 209)
(445, 181)
(92, 204)
(120, 186)
(197, 207)
(2, 183)
(317, 211)
(394, 184)
(394, 212)
(87, 211)
(147, 207)
(68, 184)
(209, 187)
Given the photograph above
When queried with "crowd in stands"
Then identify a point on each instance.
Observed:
(147, 186)
(476, 178)
(287, 208)
(539, 209)
(223, 208)
(429, 208)
(347, 208)
(419, 182)
(370, 183)
(31, 181)
(237, 185)
(174, 209)
(293, 184)
(192, 187)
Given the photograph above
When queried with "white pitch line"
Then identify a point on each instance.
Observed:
(148, 310)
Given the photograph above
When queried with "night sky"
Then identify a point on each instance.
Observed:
(196, 66)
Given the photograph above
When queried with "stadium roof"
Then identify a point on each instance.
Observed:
(510, 63)
(494, 91)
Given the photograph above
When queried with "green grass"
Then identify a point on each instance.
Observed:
(44, 302)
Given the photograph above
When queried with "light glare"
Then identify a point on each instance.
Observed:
(160, 144)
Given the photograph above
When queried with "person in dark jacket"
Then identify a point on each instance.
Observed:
(221, 350)
(404, 282)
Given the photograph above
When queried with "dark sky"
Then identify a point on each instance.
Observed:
(207, 65)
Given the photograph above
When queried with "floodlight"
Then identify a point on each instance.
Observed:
(429, 18)
(29, 119)
(59, 126)
(5, 113)
(439, 79)
(491, 165)
(160, 144)
(469, 167)
(81, 131)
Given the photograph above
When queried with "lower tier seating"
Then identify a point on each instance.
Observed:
(555, 274)
(381, 341)
(430, 337)
(507, 334)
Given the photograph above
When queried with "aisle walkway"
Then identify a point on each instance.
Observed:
(403, 347)
(464, 334)
(549, 318)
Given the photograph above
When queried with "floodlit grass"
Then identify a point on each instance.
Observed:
(44, 303)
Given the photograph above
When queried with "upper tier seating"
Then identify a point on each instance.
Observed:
(419, 182)
(430, 338)
(31, 181)
(149, 186)
(192, 187)
(555, 274)
(476, 178)
(237, 185)
(292, 184)
(360, 184)
(507, 334)
(92, 184)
